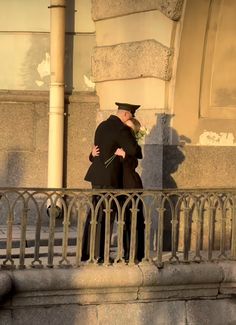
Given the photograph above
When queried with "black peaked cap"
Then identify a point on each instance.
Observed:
(128, 107)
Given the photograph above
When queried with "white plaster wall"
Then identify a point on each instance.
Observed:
(24, 15)
(136, 27)
(24, 61)
(147, 92)
(25, 47)
(34, 15)
(83, 18)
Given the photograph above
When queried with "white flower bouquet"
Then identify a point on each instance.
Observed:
(143, 131)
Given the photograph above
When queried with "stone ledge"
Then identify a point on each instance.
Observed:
(15, 96)
(103, 9)
(81, 297)
(99, 284)
(85, 277)
(180, 274)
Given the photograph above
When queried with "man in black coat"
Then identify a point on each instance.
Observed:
(110, 135)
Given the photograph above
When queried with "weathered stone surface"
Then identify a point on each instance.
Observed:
(172, 312)
(3, 167)
(203, 166)
(16, 126)
(24, 133)
(146, 58)
(18, 96)
(210, 312)
(158, 313)
(80, 127)
(41, 126)
(151, 166)
(178, 292)
(80, 278)
(171, 8)
(182, 274)
(126, 294)
(83, 296)
(120, 283)
(55, 315)
(102, 9)
(5, 284)
(22, 167)
(228, 286)
(5, 317)
(179, 281)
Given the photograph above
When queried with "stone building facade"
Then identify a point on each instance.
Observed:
(173, 57)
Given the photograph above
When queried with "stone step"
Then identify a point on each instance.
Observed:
(43, 252)
(30, 236)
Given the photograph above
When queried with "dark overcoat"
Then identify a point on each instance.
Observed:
(131, 178)
(110, 135)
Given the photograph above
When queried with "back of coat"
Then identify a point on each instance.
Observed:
(110, 135)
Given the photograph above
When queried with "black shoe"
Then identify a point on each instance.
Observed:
(84, 258)
(100, 260)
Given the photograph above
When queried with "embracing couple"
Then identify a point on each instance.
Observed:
(114, 158)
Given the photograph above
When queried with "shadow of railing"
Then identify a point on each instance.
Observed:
(203, 226)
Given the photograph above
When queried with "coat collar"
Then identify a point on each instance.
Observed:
(115, 118)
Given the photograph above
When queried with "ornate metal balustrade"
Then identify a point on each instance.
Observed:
(53, 228)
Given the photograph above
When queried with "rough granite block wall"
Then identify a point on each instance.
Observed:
(24, 134)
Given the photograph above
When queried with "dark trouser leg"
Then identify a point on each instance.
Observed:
(86, 238)
(87, 231)
(127, 234)
(140, 233)
(101, 226)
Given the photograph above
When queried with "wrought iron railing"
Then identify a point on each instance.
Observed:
(62, 227)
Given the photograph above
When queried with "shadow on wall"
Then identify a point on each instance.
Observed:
(161, 157)
(15, 169)
(35, 69)
(69, 50)
(12, 169)
(161, 160)
(70, 22)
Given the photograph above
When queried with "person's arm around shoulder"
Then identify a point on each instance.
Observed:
(94, 153)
